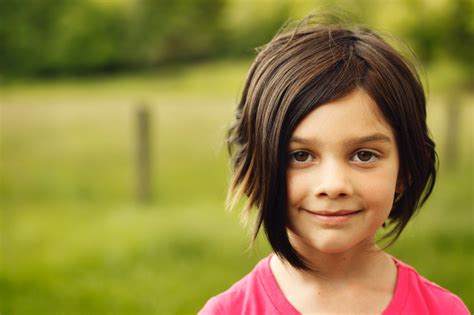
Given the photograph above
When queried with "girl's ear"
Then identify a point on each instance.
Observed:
(400, 188)
(398, 191)
(401, 184)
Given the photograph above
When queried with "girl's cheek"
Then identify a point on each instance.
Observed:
(379, 193)
(295, 188)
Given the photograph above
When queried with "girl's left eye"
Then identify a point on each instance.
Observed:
(365, 156)
(300, 157)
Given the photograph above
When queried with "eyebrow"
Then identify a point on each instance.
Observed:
(376, 137)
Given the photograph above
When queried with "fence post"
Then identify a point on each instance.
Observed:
(143, 154)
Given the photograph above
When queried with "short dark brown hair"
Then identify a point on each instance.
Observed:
(295, 73)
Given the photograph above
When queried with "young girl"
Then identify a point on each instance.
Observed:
(330, 145)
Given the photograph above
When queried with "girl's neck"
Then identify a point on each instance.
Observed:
(364, 262)
(364, 280)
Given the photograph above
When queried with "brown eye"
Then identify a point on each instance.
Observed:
(300, 156)
(365, 156)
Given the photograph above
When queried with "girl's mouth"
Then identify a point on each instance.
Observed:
(333, 217)
(335, 213)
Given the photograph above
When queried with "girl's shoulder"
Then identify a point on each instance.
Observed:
(256, 293)
(232, 296)
(415, 294)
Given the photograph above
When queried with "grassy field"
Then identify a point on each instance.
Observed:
(75, 241)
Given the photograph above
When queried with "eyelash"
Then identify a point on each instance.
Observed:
(372, 153)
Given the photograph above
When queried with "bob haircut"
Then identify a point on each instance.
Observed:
(294, 74)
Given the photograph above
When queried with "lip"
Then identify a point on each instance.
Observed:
(333, 217)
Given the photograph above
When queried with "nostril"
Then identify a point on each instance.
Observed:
(328, 194)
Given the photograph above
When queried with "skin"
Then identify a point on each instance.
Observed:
(343, 156)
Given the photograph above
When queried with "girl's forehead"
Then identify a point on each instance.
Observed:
(353, 115)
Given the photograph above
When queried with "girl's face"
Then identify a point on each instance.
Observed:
(342, 175)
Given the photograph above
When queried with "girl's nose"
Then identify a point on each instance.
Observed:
(332, 180)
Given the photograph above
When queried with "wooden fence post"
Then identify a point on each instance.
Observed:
(143, 154)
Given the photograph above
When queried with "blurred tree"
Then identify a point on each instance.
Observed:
(88, 38)
(443, 36)
(251, 24)
(51, 37)
(58, 36)
(163, 31)
(25, 30)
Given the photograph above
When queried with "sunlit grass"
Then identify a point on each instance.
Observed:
(109, 259)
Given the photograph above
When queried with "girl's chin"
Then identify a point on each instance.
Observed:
(307, 246)
(311, 246)
(329, 249)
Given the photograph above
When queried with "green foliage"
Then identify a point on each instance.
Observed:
(251, 25)
(445, 34)
(26, 28)
(50, 37)
(85, 36)
(41, 38)
(55, 36)
(175, 30)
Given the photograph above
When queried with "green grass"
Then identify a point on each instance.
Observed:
(118, 259)
(74, 241)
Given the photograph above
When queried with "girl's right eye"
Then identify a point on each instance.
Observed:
(300, 157)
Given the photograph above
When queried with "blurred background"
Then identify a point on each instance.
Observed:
(114, 170)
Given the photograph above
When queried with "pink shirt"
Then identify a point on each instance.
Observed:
(258, 293)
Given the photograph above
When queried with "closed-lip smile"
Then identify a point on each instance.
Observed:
(334, 213)
(333, 218)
